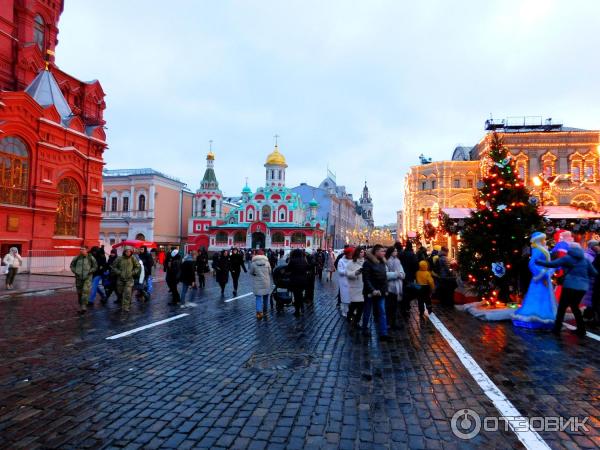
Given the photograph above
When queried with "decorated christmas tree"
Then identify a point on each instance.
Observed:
(498, 230)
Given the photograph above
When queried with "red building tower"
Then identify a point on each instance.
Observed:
(51, 139)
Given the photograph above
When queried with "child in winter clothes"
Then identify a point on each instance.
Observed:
(425, 286)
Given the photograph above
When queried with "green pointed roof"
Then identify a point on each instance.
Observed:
(209, 178)
(313, 203)
(246, 190)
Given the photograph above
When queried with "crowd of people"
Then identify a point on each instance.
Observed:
(376, 282)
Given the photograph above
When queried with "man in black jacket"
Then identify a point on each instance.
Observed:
(148, 262)
(375, 288)
(410, 264)
(236, 264)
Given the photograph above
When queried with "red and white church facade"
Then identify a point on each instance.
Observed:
(272, 217)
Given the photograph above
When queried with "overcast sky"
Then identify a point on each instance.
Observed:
(361, 86)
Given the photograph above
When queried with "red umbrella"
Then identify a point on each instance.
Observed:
(135, 243)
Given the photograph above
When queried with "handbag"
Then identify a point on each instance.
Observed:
(4, 270)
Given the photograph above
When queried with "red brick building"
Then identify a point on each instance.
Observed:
(51, 138)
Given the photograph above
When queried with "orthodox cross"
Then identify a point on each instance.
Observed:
(276, 137)
(210, 145)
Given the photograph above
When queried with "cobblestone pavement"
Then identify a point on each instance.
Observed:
(217, 378)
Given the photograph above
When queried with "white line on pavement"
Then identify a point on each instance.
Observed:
(239, 296)
(530, 439)
(145, 327)
(588, 334)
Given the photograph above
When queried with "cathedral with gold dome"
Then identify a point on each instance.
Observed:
(271, 217)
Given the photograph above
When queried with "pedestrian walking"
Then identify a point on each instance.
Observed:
(343, 280)
(446, 279)
(13, 261)
(222, 267)
(298, 269)
(579, 273)
(83, 267)
(202, 267)
(410, 264)
(236, 265)
(320, 263)
(260, 270)
(147, 261)
(355, 287)
(126, 268)
(425, 287)
(97, 286)
(596, 289)
(187, 277)
(374, 273)
(330, 264)
(395, 276)
(109, 280)
(173, 274)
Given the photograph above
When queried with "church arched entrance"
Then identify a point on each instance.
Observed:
(258, 240)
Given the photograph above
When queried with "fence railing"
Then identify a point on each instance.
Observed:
(45, 261)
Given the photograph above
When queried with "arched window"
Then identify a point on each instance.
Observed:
(282, 215)
(277, 238)
(113, 204)
(142, 202)
(103, 204)
(125, 204)
(140, 237)
(14, 171)
(266, 213)
(221, 237)
(213, 206)
(67, 210)
(239, 238)
(298, 238)
(203, 205)
(250, 214)
(39, 30)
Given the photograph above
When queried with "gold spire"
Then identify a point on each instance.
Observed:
(211, 155)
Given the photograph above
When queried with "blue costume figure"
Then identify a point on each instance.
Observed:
(538, 309)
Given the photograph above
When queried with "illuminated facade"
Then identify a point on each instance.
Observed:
(566, 160)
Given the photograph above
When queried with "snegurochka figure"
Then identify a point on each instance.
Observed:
(538, 309)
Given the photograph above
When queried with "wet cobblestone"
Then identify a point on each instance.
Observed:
(189, 384)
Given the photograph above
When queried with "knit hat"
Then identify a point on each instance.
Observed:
(437, 248)
(348, 251)
(592, 243)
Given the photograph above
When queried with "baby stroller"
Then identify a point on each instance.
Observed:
(283, 297)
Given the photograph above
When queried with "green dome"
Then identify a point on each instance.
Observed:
(313, 203)
(246, 190)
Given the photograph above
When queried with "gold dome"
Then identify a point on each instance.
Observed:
(276, 158)
(210, 156)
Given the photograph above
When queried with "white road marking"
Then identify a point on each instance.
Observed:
(588, 334)
(239, 296)
(530, 439)
(145, 327)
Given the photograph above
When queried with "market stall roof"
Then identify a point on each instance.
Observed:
(568, 212)
(135, 243)
(457, 213)
(551, 212)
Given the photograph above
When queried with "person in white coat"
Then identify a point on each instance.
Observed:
(12, 260)
(343, 281)
(260, 271)
(395, 276)
(355, 287)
